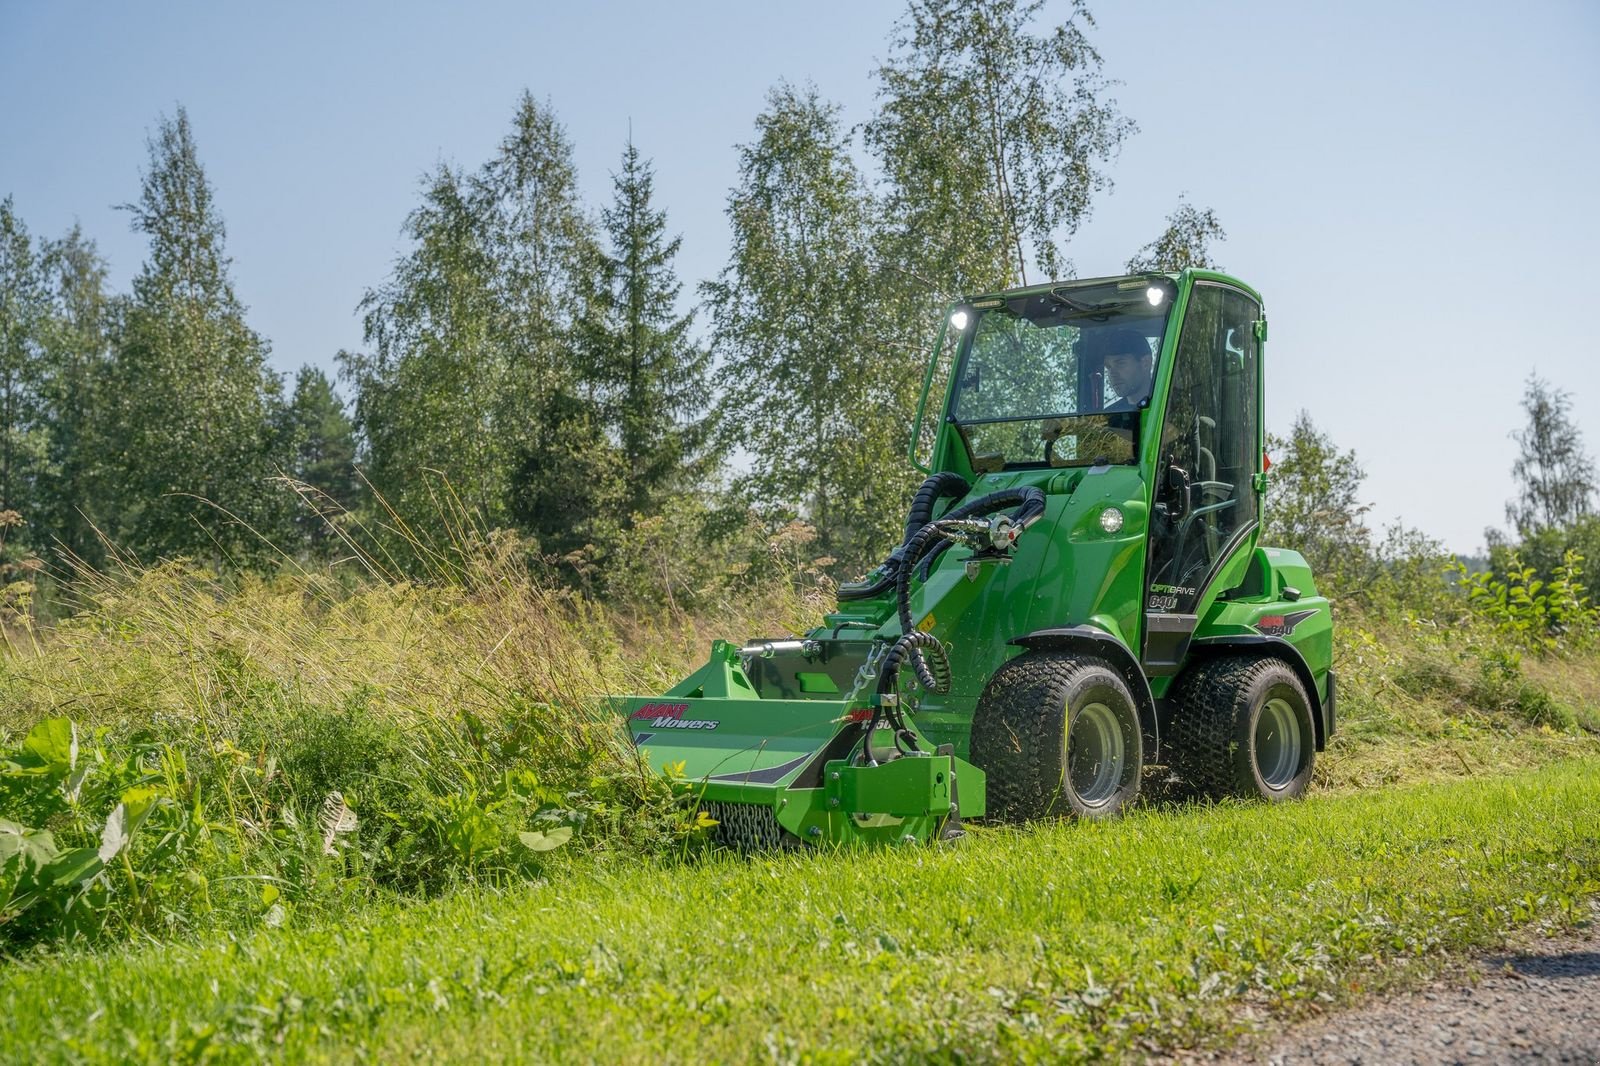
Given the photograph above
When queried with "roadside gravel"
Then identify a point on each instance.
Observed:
(1536, 1002)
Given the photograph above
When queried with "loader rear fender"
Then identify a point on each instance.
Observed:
(1087, 640)
(1210, 647)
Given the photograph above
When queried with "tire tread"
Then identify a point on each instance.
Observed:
(1206, 722)
(1017, 732)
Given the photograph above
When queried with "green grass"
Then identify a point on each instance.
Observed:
(1169, 928)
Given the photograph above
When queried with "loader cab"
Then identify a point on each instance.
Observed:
(1160, 373)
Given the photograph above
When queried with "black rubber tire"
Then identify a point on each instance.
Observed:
(1214, 736)
(1021, 733)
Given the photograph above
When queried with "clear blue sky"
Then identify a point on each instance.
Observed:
(1412, 186)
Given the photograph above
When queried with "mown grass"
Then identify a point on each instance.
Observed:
(1166, 929)
(1424, 701)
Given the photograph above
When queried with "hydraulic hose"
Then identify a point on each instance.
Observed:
(1029, 502)
(913, 644)
(938, 486)
(929, 541)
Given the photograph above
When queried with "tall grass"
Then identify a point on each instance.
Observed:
(312, 738)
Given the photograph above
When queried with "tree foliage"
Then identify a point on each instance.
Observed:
(992, 136)
(190, 396)
(470, 379)
(322, 454)
(1184, 244)
(1314, 504)
(650, 375)
(54, 312)
(24, 308)
(429, 385)
(77, 353)
(818, 407)
(1555, 475)
(528, 365)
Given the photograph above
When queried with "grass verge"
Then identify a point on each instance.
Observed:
(1165, 929)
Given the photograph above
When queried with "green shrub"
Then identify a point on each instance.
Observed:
(1546, 615)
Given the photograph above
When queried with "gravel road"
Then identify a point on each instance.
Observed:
(1537, 1002)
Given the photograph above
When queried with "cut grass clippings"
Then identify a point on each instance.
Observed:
(1166, 929)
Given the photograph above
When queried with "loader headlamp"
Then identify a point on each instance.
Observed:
(1111, 520)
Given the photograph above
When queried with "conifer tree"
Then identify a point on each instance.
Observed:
(322, 453)
(652, 375)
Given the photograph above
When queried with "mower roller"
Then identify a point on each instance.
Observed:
(1079, 595)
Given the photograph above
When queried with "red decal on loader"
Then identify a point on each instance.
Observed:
(660, 710)
(670, 716)
(1281, 625)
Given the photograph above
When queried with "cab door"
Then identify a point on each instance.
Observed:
(1206, 501)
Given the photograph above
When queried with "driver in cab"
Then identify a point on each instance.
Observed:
(1128, 369)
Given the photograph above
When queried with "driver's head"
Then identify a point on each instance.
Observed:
(1128, 364)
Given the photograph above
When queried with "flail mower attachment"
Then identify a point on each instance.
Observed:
(791, 741)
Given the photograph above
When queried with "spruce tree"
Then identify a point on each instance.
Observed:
(652, 375)
(323, 454)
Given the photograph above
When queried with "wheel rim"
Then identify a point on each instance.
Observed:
(1095, 755)
(1278, 744)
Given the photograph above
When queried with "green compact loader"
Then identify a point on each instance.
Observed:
(1079, 594)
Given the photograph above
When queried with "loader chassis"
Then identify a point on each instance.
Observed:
(1079, 594)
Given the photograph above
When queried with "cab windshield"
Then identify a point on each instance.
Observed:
(1058, 378)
